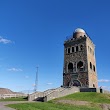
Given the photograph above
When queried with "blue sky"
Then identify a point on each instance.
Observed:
(32, 33)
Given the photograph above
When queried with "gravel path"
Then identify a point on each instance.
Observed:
(3, 107)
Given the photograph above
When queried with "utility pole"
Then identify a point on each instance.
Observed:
(36, 80)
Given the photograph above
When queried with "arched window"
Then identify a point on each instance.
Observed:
(80, 66)
(93, 85)
(72, 49)
(90, 65)
(70, 67)
(81, 47)
(76, 48)
(68, 50)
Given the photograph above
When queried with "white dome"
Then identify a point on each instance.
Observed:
(79, 30)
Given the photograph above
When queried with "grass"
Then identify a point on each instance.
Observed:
(14, 99)
(92, 97)
(89, 96)
(49, 106)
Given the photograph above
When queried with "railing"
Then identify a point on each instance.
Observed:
(52, 94)
(63, 92)
(11, 95)
(36, 95)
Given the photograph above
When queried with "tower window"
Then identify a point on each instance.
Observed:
(76, 48)
(93, 85)
(80, 66)
(94, 68)
(70, 67)
(81, 47)
(90, 65)
(72, 49)
(84, 35)
(68, 50)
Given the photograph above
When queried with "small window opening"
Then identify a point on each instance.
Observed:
(68, 50)
(84, 35)
(81, 47)
(76, 48)
(90, 65)
(94, 68)
(72, 49)
(70, 67)
(93, 85)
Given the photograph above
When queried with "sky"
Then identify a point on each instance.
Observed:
(32, 33)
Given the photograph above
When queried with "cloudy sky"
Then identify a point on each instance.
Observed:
(32, 33)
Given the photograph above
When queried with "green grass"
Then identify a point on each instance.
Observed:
(89, 96)
(93, 98)
(49, 106)
(14, 99)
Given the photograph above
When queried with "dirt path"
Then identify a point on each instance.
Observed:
(3, 107)
(73, 102)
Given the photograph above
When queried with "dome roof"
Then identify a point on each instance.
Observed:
(79, 30)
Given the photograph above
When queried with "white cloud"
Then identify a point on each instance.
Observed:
(49, 83)
(26, 77)
(15, 69)
(33, 85)
(103, 80)
(4, 41)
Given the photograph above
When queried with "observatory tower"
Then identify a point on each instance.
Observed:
(79, 61)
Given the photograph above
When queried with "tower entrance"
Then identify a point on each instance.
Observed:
(75, 83)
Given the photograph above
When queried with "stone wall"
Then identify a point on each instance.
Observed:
(75, 58)
(64, 92)
(58, 92)
(87, 77)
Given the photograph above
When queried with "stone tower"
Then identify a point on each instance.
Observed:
(79, 61)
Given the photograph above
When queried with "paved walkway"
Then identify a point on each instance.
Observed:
(3, 107)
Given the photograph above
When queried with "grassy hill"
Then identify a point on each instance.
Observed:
(89, 96)
(76, 101)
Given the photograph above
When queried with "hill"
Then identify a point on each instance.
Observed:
(76, 101)
(6, 91)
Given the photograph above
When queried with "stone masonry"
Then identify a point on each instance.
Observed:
(79, 61)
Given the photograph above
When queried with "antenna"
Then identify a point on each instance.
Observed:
(36, 80)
